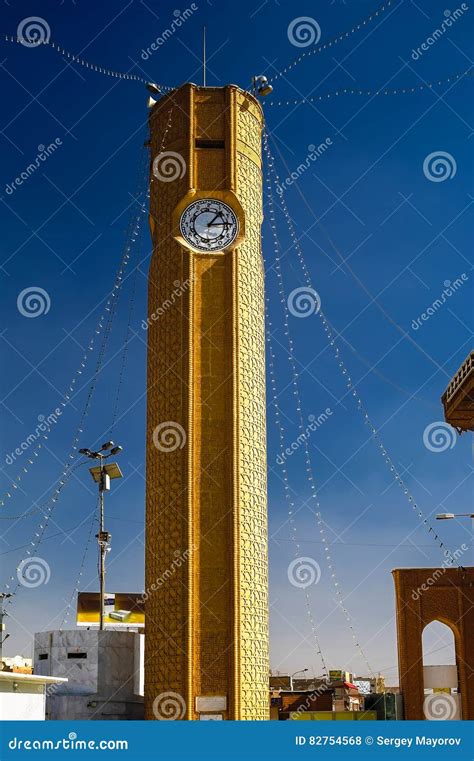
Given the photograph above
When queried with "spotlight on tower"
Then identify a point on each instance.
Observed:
(151, 102)
(154, 89)
(108, 445)
(116, 450)
(261, 86)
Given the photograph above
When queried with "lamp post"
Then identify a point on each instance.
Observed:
(300, 671)
(453, 516)
(102, 475)
(450, 516)
(3, 596)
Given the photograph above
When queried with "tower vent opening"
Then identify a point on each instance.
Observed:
(201, 143)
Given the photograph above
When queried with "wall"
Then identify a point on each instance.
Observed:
(424, 595)
(26, 703)
(100, 686)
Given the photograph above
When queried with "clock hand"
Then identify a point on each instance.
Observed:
(214, 219)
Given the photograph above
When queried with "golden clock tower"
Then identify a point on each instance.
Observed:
(206, 652)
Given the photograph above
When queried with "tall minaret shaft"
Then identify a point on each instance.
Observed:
(206, 492)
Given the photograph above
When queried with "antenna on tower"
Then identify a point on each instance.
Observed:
(204, 56)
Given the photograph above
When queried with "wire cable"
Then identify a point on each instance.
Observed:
(332, 340)
(287, 490)
(372, 92)
(303, 431)
(76, 59)
(68, 469)
(373, 299)
(80, 572)
(333, 41)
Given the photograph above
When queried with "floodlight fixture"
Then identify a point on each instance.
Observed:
(153, 88)
(262, 86)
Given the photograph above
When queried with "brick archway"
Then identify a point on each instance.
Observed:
(424, 595)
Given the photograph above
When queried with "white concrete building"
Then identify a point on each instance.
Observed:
(104, 670)
(22, 696)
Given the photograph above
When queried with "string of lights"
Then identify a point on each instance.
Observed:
(53, 418)
(360, 283)
(333, 41)
(33, 510)
(77, 59)
(286, 484)
(373, 92)
(128, 330)
(383, 378)
(111, 304)
(352, 388)
(71, 530)
(128, 335)
(46, 423)
(76, 588)
(303, 435)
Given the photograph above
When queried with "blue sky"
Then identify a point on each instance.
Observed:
(401, 233)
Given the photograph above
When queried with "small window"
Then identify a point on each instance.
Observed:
(77, 655)
(210, 143)
(43, 657)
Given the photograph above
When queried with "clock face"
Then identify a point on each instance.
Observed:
(209, 225)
